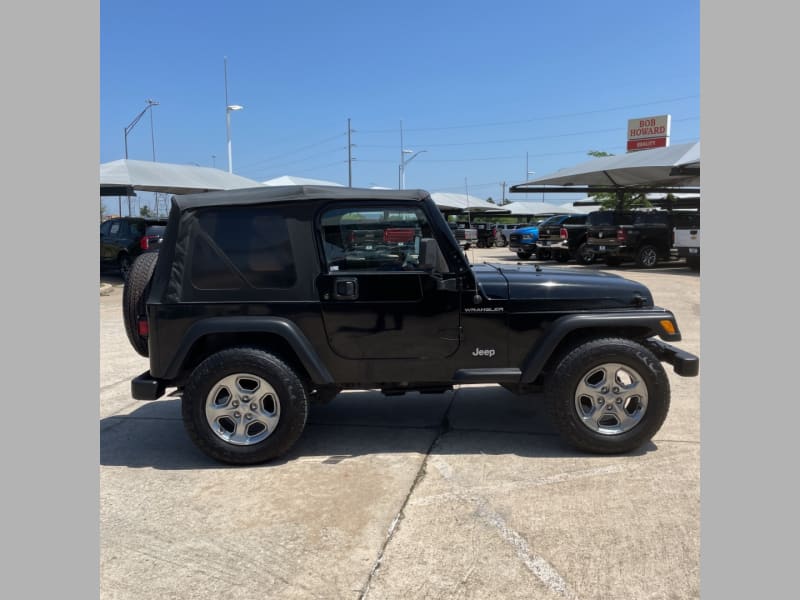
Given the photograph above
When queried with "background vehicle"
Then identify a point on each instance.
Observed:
(524, 239)
(644, 237)
(687, 243)
(565, 239)
(251, 315)
(122, 239)
(486, 234)
(464, 233)
(503, 231)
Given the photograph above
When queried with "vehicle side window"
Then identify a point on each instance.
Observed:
(375, 238)
(236, 247)
(115, 228)
(136, 228)
(105, 228)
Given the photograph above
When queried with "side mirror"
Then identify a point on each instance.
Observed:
(430, 256)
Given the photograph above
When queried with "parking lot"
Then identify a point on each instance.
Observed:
(467, 494)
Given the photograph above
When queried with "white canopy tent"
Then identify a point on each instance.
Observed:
(673, 167)
(464, 202)
(121, 177)
(292, 180)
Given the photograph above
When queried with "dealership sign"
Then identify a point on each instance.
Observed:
(648, 132)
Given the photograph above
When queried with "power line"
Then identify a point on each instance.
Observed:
(533, 119)
(306, 147)
(525, 139)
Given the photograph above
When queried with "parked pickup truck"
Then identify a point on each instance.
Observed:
(467, 236)
(644, 237)
(565, 238)
(687, 243)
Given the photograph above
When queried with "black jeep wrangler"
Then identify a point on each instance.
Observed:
(261, 301)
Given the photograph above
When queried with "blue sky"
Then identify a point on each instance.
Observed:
(477, 85)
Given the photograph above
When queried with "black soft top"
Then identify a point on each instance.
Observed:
(290, 193)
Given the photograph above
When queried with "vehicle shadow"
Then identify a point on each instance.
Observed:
(473, 420)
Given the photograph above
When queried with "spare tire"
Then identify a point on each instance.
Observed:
(134, 298)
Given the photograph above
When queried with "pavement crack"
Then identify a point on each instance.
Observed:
(444, 427)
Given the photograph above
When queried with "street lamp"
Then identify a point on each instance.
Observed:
(150, 104)
(228, 110)
(404, 161)
(129, 128)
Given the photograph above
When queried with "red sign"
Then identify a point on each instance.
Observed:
(647, 144)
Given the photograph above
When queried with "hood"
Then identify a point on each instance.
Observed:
(559, 288)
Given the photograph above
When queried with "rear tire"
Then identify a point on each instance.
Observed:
(244, 406)
(583, 255)
(647, 256)
(607, 396)
(134, 298)
(124, 265)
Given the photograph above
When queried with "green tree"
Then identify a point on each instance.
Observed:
(144, 211)
(611, 201)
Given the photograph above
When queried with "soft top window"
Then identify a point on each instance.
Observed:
(235, 248)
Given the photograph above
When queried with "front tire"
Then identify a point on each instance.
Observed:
(244, 406)
(524, 255)
(607, 396)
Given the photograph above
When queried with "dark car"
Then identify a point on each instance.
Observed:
(122, 239)
(260, 302)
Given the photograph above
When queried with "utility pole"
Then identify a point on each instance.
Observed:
(469, 220)
(402, 160)
(349, 156)
(503, 201)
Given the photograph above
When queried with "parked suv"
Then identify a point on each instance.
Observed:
(122, 239)
(261, 302)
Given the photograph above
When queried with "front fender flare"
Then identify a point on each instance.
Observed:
(558, 329)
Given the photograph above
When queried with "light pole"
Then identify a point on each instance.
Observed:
(229, 108)
(129, 128)
(150, 104)
(404, 161)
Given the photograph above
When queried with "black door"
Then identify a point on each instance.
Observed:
(385, 293)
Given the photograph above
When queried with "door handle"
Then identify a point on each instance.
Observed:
(345, 288)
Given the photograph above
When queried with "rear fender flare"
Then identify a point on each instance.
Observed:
(279, 326)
